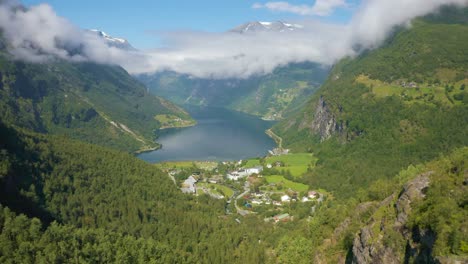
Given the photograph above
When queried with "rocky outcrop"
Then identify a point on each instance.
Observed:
(412, 191)
(324, 123)
(374, 243)
(368, 246)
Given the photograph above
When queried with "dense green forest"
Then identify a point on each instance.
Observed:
(91, 199)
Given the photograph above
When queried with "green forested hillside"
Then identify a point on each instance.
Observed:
(272, 96)
(88, 203)
(67, 201)
(401, 104)
(96, 103)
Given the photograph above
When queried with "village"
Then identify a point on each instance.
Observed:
(268, 186)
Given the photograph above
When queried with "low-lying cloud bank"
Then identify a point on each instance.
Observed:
(37, 34)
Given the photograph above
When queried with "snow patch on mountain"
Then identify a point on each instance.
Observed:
(263, 26)
(112, 41)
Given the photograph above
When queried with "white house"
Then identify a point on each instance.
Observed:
(188, 186)
(312, 194)
(236, 175)
(254, 170)
(256, 201)
(285, 198)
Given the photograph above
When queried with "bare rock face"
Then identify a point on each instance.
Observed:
(412, 191)
(324, 123)
(369, 245)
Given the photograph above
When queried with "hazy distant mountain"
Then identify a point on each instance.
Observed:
(112, 41)
(276, 26)
(270, 96)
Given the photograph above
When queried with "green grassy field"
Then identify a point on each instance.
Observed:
(296, 163)
(425, 92)
(204, 165)
(299, 187)
(217, 189)
(252, 163)
(175, 164)
(170, 121)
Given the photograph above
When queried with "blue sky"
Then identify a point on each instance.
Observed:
(139, 21)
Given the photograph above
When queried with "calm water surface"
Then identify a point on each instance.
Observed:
(220, 134)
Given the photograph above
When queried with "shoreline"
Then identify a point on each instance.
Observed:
(181, 126)
(278, 140)
(159, 146)
(147, 149)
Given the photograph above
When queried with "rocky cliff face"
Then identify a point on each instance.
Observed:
(386, 238)
(324, 123)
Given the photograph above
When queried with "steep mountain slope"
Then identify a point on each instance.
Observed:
(424, 221)
(401, 104)
(269, 96)
(418, 216)
(97, 103)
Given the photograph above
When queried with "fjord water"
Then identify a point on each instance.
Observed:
(220, 134)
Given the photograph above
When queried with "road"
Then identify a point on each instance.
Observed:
(246, 191)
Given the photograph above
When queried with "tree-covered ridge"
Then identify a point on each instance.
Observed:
(96, 103)
(378, 132)
(86, 189)
(27, 240)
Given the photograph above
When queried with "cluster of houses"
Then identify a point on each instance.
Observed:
(243, 173)
(262, 198)
(189, 185)
(311, 196)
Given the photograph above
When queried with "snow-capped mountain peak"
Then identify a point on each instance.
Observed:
(262, 26)
(112, 41)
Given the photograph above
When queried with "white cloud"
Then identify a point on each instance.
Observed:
(38, 34)
(319, 8)
(221, 55)
(376, 18)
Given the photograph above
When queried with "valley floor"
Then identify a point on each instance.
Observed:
(269, 186)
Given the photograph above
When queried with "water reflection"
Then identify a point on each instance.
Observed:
(219, 135)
